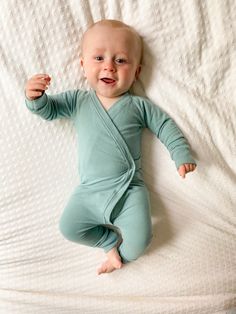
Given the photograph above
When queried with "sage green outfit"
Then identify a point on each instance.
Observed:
(111, 203)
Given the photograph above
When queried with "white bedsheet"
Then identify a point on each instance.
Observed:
(189, 70)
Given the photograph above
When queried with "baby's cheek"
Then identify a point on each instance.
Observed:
(129, 75)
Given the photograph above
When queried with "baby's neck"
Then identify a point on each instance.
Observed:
(107, 102)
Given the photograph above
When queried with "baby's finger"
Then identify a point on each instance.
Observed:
(46, 79)
(37, 86)
(188, 167)
(192, 167)
(39, 79)
(43, 80)
(182, 171)
(41, 76)
(34, 94)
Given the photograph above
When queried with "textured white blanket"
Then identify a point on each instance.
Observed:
(190, 71)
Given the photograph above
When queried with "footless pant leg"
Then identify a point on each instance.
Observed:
(134, 223)
(84, 226)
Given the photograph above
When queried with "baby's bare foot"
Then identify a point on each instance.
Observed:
(112, 263)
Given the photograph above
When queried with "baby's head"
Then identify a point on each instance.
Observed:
(111, 57)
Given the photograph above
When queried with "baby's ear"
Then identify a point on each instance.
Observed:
(139, 68)
(82, 65)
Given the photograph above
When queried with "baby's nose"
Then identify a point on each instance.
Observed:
(109, 66)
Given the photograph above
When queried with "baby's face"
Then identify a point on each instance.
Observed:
(111, 60)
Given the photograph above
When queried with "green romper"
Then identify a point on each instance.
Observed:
(110, 207)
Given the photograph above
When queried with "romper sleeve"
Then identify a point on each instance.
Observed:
(52, 107)
(168, 132)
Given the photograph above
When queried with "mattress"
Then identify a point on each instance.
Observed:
(189, 70)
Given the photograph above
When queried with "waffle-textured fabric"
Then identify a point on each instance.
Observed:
(189, 71)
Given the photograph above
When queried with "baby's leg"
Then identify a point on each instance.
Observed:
(134, 222)
(132, 217)
(81, 225)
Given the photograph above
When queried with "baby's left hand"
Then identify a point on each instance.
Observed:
(185, 168)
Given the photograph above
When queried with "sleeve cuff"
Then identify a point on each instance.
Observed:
(185, 158)
(37, 104)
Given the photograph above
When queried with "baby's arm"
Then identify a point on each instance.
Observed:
(171, 136)
(49, 107)
(36, 86)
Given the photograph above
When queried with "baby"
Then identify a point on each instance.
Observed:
(110, 208)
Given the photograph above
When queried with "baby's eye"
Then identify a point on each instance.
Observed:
(98, 58)
(120, 61)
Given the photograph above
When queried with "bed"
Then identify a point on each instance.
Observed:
(189, 70)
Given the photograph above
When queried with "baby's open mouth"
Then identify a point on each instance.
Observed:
(107, 80)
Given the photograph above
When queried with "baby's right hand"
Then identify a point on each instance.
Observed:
(36, 86)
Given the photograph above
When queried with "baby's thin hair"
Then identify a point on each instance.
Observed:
(113, 23)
